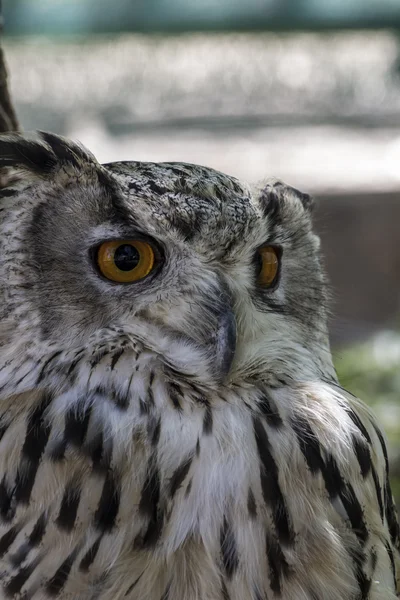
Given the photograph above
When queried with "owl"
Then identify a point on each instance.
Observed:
(171, 423)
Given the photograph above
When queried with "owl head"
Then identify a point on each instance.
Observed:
(211, 279)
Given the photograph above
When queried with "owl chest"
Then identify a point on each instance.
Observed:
(199, 502)
(142, 490)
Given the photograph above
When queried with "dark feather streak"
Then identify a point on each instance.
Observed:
(59, 579)
(107, 509)
(270, 484)
(179, 475)
(230, 558)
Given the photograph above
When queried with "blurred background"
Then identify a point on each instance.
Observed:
(304, 90)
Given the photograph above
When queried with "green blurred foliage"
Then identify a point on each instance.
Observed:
(371, 371)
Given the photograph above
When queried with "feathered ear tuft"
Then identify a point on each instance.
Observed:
(41, 155)
(19, 152)
(67, 151)
(275, 194)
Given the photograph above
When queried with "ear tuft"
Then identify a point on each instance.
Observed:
(41, 155)
(67, 151)
(20, 152)
(306, 200)
(276, 193)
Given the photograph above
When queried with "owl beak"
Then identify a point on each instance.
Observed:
(225, 343)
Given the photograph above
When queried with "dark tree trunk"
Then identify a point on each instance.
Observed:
(8, 118)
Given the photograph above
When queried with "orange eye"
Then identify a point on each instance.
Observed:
(268, 261)
(125, 261)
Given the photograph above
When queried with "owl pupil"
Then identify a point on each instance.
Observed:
(126, 257)
(258, 263)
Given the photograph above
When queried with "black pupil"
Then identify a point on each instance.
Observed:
(258, 263)
(126, 257)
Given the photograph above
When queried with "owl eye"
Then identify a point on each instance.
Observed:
(125, 261)
(267, 260)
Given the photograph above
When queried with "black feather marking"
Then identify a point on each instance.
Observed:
(156, 188)
(46, 364)
(270, 485)
(378, 490)
(72, 366)
(390, 510)
(179, 475)
(76, 425)
(153, 531)
(3, 429)
(155, 434)
(7, 511)
(149, 507)
(354, 512)
(374, 560)
(363, 455)
(101, 454)
(392, 563)
(57, 453)
(116, 356)
(208, 420)
(100, 354)
(121, 400)
(333, 479)
(133, 585)
(364, 583)
(69, 507)
(33, 540)
(391, 516)
(230, 559)
(150, 395)
(90, 556)
(269, 410)
(150, 495)
(383, 446)
(174, 393)
(188, 488)
(251, 504)
(309, 444)
(278, 566)
(8, 539)
(107, 509)
(59, 579)
(94, 448)
(358, 423)
(15, 585)
(37, 435)
(336, 486)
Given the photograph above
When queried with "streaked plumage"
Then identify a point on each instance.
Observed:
(139, 459)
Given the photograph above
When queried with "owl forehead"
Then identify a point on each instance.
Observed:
(188, 198)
